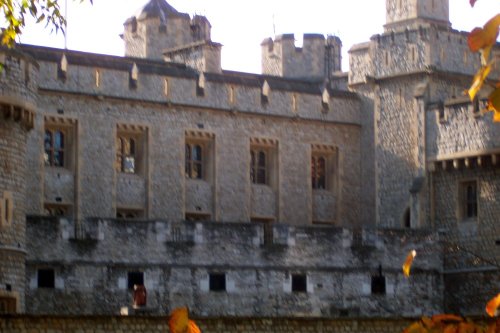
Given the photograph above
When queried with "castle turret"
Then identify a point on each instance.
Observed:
(18, 86)
(401, 14)
(158, 31)
(318, 58)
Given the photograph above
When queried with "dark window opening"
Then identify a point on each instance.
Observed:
(135, 278)
(128, 214)
(299, 283)
(217, 282)
(57, 210)
(46, 278)
(8, 305)
(407, 218)
(197, 217)
(470, 199)
(378, 284)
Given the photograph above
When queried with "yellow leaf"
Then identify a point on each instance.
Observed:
(478, 81)
(408, 262)
(178, 321)
(492, 306)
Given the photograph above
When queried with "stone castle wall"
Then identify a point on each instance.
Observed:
(293, 119)
(18, 82)
(178, 258)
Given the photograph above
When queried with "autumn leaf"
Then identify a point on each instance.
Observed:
(492, 306)
(494, 104)
(478, 81)
(178, 321)
(416, 327)
(480, 38)
(446, 318)
(192, 327)
(408, 262)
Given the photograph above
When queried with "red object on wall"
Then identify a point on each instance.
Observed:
(140, 296)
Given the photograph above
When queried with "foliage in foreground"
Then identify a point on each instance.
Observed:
(15, 13)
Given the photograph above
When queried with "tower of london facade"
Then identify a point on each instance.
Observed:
(295, 192)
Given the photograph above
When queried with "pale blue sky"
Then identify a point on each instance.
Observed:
(241, 25)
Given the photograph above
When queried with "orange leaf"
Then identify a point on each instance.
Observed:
(466, 328)
(450, 328)
(192, 327)
(478, 81)
(416, 327)
(480, 38)
(446, 318)
(492, 306)
(428, 322)
(408, 262)
(494, 104)
(178, 321)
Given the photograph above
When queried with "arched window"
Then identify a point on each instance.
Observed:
(54, 148)
(258, 167)
(194, 161)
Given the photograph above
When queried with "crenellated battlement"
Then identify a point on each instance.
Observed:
(318, 58)
(426, 48)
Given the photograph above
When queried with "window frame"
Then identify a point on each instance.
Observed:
(128, 134)
(328, 181)
(466, 211)
(50, 152)
(68, 128)
(206, 141)
(191, 163)
(256, 169)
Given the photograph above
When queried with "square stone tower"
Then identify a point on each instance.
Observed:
(401, 14)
